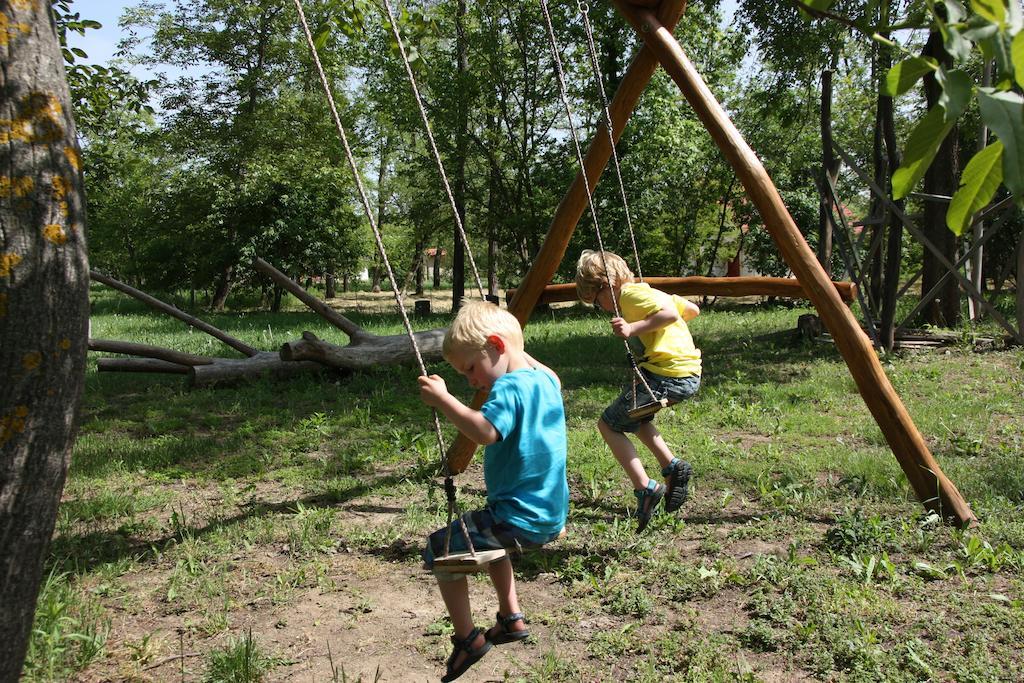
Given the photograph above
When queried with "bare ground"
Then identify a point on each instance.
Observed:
(377, 616)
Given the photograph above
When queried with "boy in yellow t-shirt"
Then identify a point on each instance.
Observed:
(671, 366)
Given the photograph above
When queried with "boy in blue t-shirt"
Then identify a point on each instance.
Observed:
(522, 424)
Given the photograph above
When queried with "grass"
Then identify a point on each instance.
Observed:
(190, 517)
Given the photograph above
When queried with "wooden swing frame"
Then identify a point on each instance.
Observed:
(654, 22)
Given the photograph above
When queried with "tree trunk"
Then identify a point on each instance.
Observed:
(872, 261)
(721, 226)
(330, 289)
(44, 297)
(224, 282)
(940, 179)
(437, 267)
(830, 169)
(1020, 285)
(461, 147)
(493, 190)
(978, 259)
(385, 148)
(375, 275)
(275, 306)
(894, 247)
(420, 265)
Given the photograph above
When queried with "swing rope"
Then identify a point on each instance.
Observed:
(606, 114)
(562, 91)
(449, 483)
(433, 145)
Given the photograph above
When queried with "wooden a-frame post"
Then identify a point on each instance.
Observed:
(932, 487)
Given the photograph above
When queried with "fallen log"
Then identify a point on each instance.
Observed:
(748, 285)
(263, 364)
(163, 307)
(365, 353)
(140, 365)
(308, 354)
(217, 370)
(147, 351)
(365, 350)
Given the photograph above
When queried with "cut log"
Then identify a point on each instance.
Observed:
(216, 370)
(319, 307)
(263, 364)
(140, 365)
(749, 285)
(147, 351)
(193, 321)
(368, 352)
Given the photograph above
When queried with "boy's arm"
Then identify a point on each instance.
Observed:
(540, 366)
(655, 321)
(472, 423)
(690, 310)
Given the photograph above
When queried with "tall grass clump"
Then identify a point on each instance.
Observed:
(241, 661)
(68, 633)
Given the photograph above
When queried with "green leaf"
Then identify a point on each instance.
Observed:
(978, 184)
(924, 142)
(956, 43)
(993, 10)
(1017, 56)
(905, 74)
(1003, 112)
(1001, 50)
(955, 11)
(822, 5)
(321, 38)
(957, 88)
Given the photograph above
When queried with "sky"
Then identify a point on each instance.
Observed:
(101, 44)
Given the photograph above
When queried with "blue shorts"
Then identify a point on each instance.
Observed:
(675, 389)
(487, 533)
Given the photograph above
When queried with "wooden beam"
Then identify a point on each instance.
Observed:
(569, 211)
(153, 302)
(932, 487)
(748, 285)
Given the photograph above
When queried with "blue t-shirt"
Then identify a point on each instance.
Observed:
(525, 469)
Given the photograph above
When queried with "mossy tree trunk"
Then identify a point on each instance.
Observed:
(44, 285)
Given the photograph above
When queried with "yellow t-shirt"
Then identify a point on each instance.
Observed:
(669, 351)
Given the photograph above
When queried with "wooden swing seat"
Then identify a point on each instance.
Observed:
(647, 409)
(469, 563)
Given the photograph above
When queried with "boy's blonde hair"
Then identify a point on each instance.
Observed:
(475, 322)
(591, 275)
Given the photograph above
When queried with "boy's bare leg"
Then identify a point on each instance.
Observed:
(504, 581)
(650, 436)
(625, 453)
(456, 598)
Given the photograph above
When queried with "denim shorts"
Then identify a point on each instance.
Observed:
(675, 389)
(487, 533)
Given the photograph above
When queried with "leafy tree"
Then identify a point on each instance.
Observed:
(990, 29)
